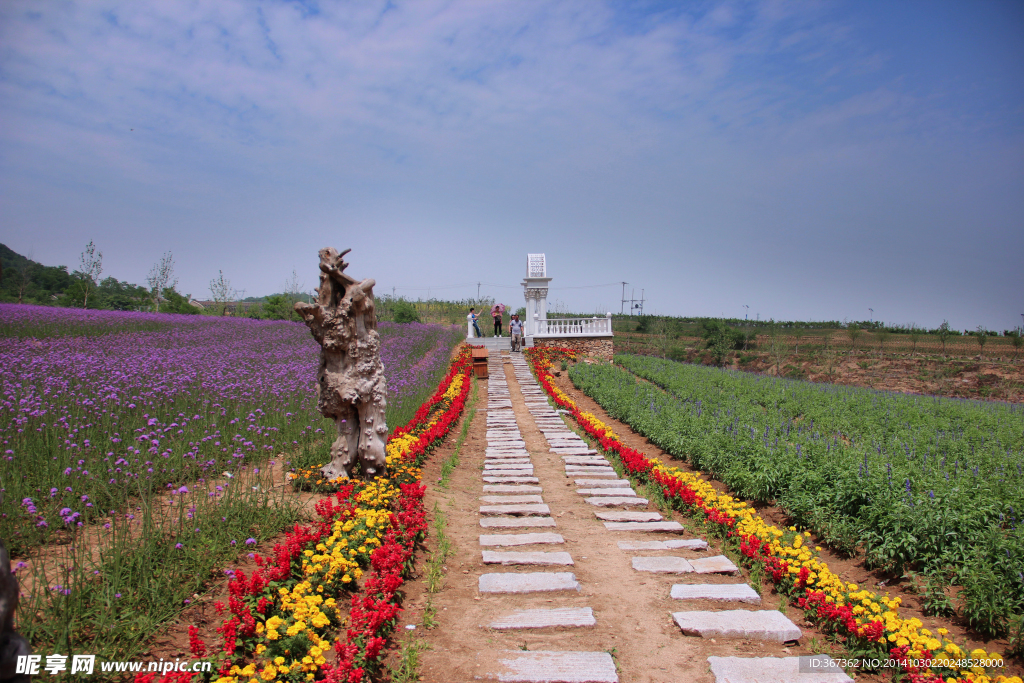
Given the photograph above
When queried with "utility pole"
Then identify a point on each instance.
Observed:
(392, 291)
(641, 302)
(623, 303)
(478, 291)
(746, 313)
(871, 318)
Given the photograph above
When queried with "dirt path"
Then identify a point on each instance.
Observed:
(633, 637)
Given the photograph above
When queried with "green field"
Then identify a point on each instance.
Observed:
(917, 483)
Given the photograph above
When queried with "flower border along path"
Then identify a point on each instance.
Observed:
(280, 621)
(869, 625)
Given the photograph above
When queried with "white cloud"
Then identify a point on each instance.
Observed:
(252, 118)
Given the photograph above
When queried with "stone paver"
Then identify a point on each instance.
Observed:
(668, 527)
(508, 500)
(662, 565)
(604, 483)
(521, 558)
(515, 522)
(615, 501)
(617, 491)
(585, 460)
(511, 480)
(509, 540)
(532, 582)
(719, 564)
(508, 473)
(816, 669)
(546, 618)
(557, 667)
(585, 471)
(516, 509)
(723, 592)
(629, 516)
(675, 544)
(767, 624)
(507, 488)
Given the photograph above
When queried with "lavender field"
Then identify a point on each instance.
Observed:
(88, 420)
(102, 411)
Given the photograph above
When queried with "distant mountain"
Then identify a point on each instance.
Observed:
(23, 280)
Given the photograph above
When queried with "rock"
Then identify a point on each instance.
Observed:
(769, 624)
(808, 669)
(545, 618)
(662, 565)
(616, 501)
(687, 543)
(556, 667)
(719, 564)
(603, 483)
(521, 558)
(629, 516)
(669, 527)
(505, 540)
(509, 500)
(532, 582)
(517, 509)
(722, 592)
(513, 522)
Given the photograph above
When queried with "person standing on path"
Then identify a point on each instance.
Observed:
(497, 310)
(515, 328)
(473, 317)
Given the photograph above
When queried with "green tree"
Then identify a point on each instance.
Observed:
(853, 332)
(915, 336)
(161, 277)
(178, 303)
(279, 307)
(944, 332)
(221, 291)
(719, 338)
(1017, 339)
(881, 336)
(982, 339)
(405, 312)
(91, 262)
(778, 347)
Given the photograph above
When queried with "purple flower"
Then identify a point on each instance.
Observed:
(178, 546)
(251, 541)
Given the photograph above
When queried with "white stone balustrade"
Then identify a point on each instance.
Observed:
(574, 327)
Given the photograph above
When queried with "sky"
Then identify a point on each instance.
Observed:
(778, 159)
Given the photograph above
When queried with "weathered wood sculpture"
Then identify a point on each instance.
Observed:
(351, 384)
(12, 645)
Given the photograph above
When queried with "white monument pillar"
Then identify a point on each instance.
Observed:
(535, 290)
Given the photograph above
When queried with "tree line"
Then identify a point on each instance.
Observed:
(24, 281)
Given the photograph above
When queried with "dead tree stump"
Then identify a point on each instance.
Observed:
(351, 387)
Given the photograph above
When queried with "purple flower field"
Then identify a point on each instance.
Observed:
(99, 406)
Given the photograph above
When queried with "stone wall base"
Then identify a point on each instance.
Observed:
(596, 347)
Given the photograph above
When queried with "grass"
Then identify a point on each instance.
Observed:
(407, 668)
(109, 603)
(435, 563)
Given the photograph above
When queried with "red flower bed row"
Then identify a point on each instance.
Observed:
(375, 609)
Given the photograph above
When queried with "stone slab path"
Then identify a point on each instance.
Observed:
(642, 602)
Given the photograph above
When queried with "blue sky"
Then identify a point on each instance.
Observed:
(809, 159)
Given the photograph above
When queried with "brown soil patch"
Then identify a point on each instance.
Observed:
(633, 610)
